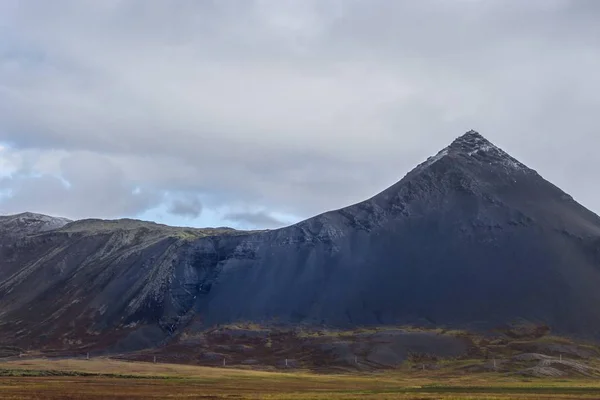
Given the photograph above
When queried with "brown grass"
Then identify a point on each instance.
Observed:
(162, 381)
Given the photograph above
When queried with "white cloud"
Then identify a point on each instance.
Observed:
(6, 164)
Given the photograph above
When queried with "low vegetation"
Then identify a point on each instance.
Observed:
(103, 378)
(362, 363)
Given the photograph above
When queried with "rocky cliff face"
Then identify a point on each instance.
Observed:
(95, 281)
(471, 238)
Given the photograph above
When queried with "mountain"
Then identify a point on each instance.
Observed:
(469, 239)
(29, 223)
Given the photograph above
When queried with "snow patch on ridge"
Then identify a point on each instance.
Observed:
(30, 223)
(433, 159)
(475, 145)
(498, 155)
(483, 148)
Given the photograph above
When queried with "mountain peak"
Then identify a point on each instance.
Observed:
(30, 223)
(471, 134)
(474, 147)
(471, 142)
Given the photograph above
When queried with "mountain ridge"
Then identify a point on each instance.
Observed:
(471, 238)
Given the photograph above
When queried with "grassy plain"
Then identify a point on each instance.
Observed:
(110, 379)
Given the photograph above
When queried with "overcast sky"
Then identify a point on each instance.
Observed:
(256, 114)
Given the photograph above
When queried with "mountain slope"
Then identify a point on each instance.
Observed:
(471, 238)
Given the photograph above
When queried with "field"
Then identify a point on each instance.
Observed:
(110, 379)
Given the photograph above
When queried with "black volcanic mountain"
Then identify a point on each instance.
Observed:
(470, 239)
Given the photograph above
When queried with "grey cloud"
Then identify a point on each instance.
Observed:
(259, 220)
(189, 207)
(296, 106)
(88, 185)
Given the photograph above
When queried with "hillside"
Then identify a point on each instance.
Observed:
(470, 239)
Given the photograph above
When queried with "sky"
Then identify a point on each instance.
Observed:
(260, 113)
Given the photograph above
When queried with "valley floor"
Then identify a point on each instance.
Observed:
(102, 378)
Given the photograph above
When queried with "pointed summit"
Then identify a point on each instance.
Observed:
(471, 142)
(473, 148)
(474, 145)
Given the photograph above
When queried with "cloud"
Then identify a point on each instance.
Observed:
(5, 164)
(84, 185)
(259, 219)
(189, 207)
(293, 107)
